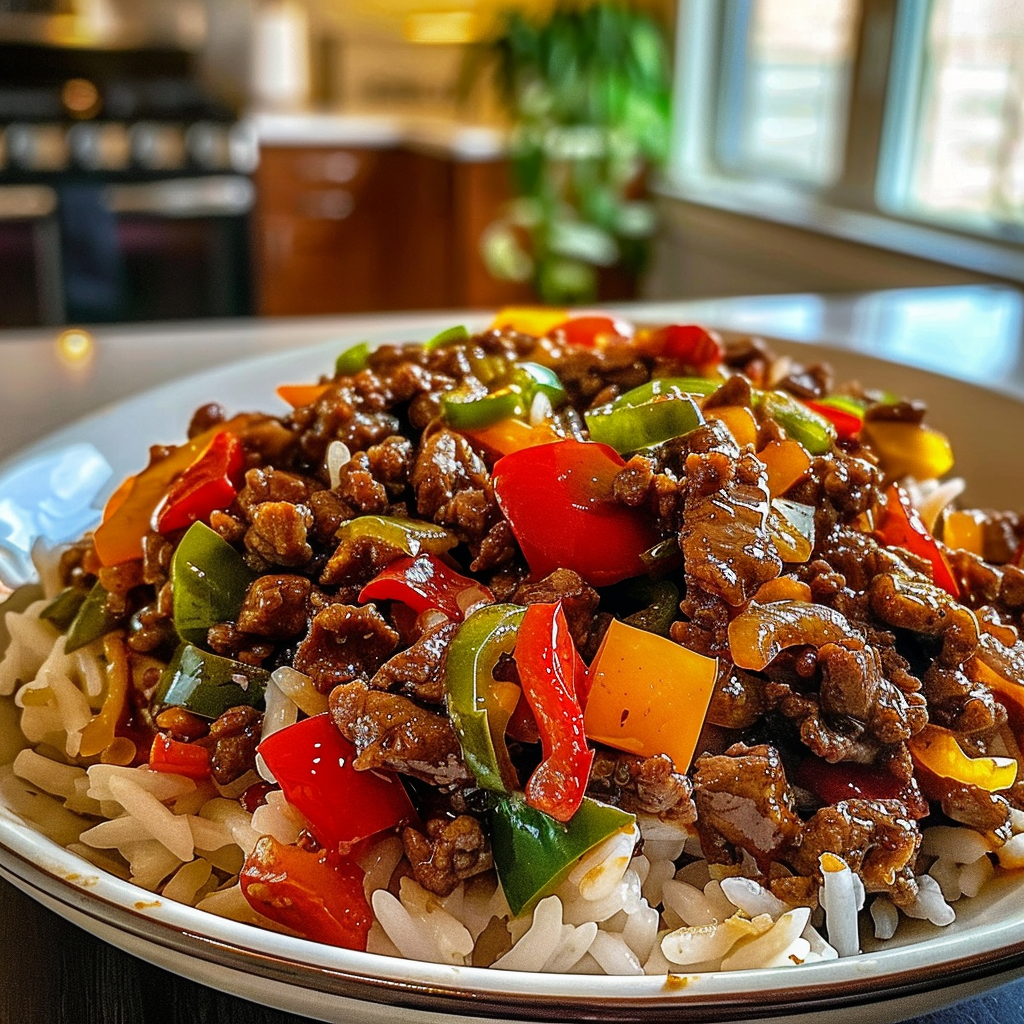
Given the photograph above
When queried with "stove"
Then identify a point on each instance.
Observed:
(125, 188)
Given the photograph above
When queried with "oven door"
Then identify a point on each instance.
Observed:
(171, 249)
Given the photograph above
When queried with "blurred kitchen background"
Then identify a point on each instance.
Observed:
(167, 159)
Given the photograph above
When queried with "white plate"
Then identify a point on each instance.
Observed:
(40, 494)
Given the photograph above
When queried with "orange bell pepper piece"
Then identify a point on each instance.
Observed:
(738, 419)
(937, 750)
(964, 530)
(535, 320)
(648, 695)
(512, 435)
(787, 461)
(119, 537)
(298, 395)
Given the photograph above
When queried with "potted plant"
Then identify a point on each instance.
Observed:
(587, 90)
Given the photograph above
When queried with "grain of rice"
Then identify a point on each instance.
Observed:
(699, 944)
(277, 818)
(448, 934)
(338, 456)
(115, 833)
(377, 941)
(960, 845)
(100, 858)
(974, 875)
(299, 687)
(187, 881)
(31, 641)
(625, 896)
(667, 849)
(540, 409)
(160, 822)
(80, 802)
(614, 956)
(885, 918)
(161, 785)
(641, 930)
(780, 946)
(688, 902)
(379, 864)
(720, 905)
(51, 776)
(535, 948)
(194, 801)
(1011, 854)
(230, 903)
(573, 944)
(407, 933)
(206, 834)
(929, 905)
(752, 898)
(587, 965)
(839, 900)
(601, 869)
(819, 948)
(657, 962)
(947, 873)
(233, 817)
(660, 872)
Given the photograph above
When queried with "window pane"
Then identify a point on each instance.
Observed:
(796, 73)
(969, 159)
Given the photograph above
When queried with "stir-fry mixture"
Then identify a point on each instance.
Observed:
(535, 605)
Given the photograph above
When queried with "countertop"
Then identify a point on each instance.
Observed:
(53, 972)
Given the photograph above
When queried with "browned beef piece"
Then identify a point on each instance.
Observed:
(854, 685)
(453, 487)
(206, 416)
(450, 852)
(634, 481)
(391, 463)
(419, 670)
(808, 381)
(226, 639)
(156, 559)
(876, 838)
(279, 534)
(233, 739)
(642, 785)
(228, 525)
(735, 391)
(743, 803)
(497, 549)
(579, 600)
(269, 484)
(358, 488)
(738, 700)
(977, 808)
(390, 731)
(982, 584)
(900, 412)
(358, 560)
(276, 606)
(724, 539)
(345, 642)
(707, 628)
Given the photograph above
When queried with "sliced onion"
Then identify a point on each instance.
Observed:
(762, 631)
(338, 456)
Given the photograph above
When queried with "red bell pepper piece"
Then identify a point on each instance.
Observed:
(177, 758)
(558, 498)
(312, 762)
(208, 484)
(314, 892)
(899, 525)
(553, 678)
(689, 343)
(425, 582)
(848, 424)
(592, 331)
(846, 780)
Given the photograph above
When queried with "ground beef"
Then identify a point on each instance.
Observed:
(418, 671)
(276, 605)
(579, 600)
(279, 534)
(269, 484)
(345, 642)
(233, 739)
(449, 852)
(725, 541)
(743, 803)
(642, 785)
(876, 838)
(392, 732)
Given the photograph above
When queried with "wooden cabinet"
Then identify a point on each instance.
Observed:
(345, 230)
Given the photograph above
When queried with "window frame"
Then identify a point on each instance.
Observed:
(867, 202)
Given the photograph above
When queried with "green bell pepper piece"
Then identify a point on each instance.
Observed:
(533, 853)
(466, 409)
(208, 685)
(659, 604)
(61, 611)
(468, 677)
(628, 428)
(352, 360)
(209, 580)
(813, 431)
(92, 620)
(408, 535)
(671, 387)
(534, 378)
(449, 336)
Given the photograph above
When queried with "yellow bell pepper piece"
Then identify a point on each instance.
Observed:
(648, 695)
(535, 320)
(512, 435)
(964, 530)
(100, 732)
(938, 751)
(908, 449)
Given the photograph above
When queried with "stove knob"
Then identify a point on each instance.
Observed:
(37, 147)
(209, 145)
(100, 147)
(158, 147)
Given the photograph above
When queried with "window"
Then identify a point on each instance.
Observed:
(785, 89)
(900, 120)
